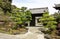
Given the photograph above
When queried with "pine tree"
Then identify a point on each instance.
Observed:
(48, 21)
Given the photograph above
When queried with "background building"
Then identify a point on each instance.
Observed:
(36, 15)
(57, 7)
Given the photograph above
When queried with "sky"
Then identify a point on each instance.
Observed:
(37, 4)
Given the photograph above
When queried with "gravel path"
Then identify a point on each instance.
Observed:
(6, 36)
(33, 33)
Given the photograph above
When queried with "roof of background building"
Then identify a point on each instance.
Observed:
(39, 10)
(57, 5)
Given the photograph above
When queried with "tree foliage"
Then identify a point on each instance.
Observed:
(48, 21)
(21, 15)
(57, 16)
(5, 5)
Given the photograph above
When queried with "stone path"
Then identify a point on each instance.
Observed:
(6, 36)
(33, 33)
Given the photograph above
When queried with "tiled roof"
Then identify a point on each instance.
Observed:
(57, 5)
(39, 10)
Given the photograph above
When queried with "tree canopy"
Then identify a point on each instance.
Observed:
(57, 16)
(18, 15)
(48, 21)
(21, 15)
(5, 5)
